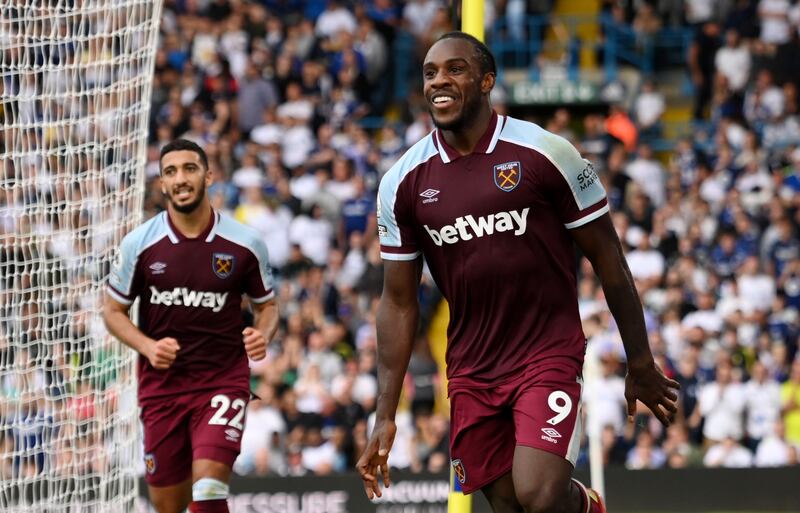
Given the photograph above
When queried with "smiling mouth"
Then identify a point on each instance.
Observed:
(182, 194)
(443, 101)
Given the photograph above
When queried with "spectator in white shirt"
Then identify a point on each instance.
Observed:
(607, 396)
(262, 423)
(335, 18)
(764, 101)
(733, 61)
(774, 15)
(763, 403)
(313, 233)
(721, 402)
(649, 174)
(418, 15)
(728, 454)
(756, 289)
(646, 264)
(649, 106)
(774, 450)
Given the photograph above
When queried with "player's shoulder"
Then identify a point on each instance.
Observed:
(146, 234)
(240, 234)
(235, 231)
(421, 152)
(555, 148)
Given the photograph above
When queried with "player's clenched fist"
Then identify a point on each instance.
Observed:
(163, 353)
(254, 343)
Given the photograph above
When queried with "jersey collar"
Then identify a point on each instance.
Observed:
(175, 236)
(486, 143)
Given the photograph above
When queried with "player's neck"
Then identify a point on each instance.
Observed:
(192, 224)
(465, 140)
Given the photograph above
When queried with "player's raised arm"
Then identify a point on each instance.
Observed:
(398, 315)
(599, 242)
(161, 353)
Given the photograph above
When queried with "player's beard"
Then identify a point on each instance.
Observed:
(469, 111)
(190, 207)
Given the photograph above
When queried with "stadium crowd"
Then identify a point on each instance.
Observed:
(283, 96)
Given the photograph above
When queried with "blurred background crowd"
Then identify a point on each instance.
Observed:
(302, 106)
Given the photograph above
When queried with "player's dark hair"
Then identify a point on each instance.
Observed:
(185, 145)
(482, 53)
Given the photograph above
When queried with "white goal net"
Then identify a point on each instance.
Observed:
(75, 78)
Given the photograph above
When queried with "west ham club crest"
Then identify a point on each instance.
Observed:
(150, 463)
(458, 468)
(222, 264)
(507, 176)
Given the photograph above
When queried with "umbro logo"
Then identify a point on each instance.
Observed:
(551, 432)
(550, 435)
(429, 195)
(158, 267)
(232, 435)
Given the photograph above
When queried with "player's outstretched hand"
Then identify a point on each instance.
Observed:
(254, 343)
(375, 458)
(649, 385)
(163, 353)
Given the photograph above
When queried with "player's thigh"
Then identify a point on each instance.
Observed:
(167, 443)
(481, 438)
(171, 499)
(217, 425)
(547, 417)
(501, 495)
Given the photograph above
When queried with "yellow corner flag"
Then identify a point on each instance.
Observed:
(471, 23)
(457, 502)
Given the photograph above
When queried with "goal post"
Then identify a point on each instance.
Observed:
(75, 80)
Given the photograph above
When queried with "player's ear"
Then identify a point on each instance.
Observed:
(487, 83)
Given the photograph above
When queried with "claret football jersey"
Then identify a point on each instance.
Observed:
(493, 227)
(191, 289)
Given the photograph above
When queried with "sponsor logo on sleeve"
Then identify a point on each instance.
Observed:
(382, 231)
(507, 175)
(222, 264)
(587, 177)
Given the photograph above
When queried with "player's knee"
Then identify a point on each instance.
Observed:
(209, 489)
(542, 498)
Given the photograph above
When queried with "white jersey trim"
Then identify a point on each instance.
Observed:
(118, 298)
(587, 218)
(400, 257)
(424, 150)
(264, 299)
(574, 446)
(213, 231)
(498, 128)
(559, 152)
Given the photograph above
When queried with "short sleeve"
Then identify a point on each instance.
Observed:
(572, 184)
(123, 278)
(258, 283)
(395, 227)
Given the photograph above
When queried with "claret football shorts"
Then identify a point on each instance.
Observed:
(540, 408)
(199, 425)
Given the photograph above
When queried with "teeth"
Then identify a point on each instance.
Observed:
(442, 99)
